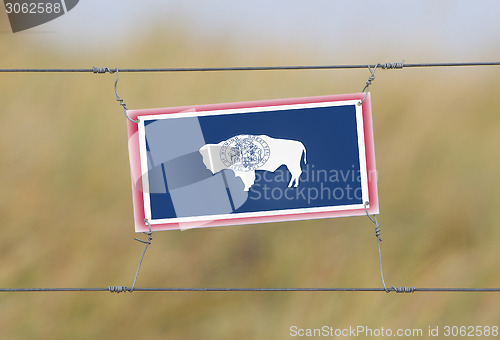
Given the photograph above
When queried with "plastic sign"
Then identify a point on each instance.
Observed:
(252, 162)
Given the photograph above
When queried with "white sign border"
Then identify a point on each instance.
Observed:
(293, 211)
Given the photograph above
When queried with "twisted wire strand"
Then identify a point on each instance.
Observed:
(102, 70)
(404, 289)
(392, 66)
(118, 289)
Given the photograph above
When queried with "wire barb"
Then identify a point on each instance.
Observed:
(117, 289)
(404, 289)
(392, 66)
(102, 70)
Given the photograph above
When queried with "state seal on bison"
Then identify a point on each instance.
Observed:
(246, 153)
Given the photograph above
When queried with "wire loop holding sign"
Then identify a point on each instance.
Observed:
(102, 70)
(368, 83)
(377, 235)
(385, 66)
(118, 99)
(147, 242)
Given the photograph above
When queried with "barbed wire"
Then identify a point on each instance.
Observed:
(398, 65)
(122, 289)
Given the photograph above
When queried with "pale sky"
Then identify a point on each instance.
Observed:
(451, 30)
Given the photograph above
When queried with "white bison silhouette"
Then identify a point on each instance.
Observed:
(246, 153)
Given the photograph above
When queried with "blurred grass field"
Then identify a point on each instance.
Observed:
(66, 207)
